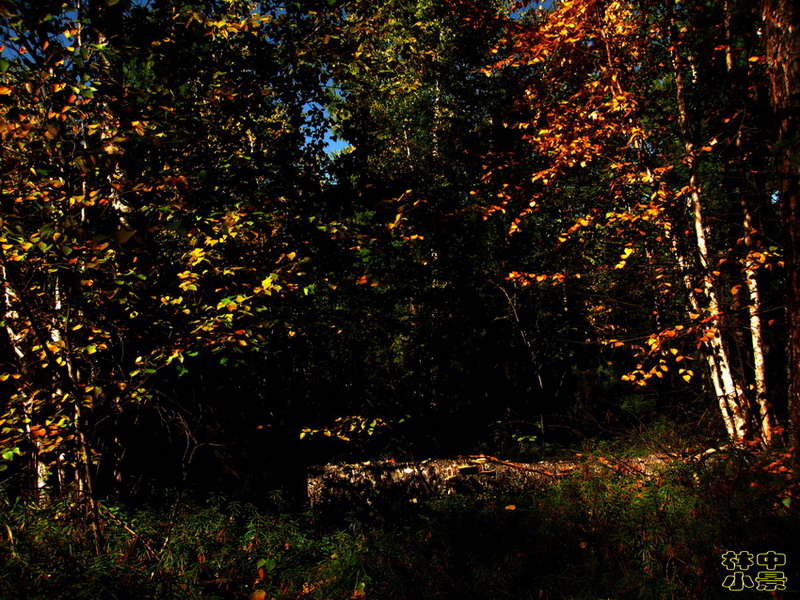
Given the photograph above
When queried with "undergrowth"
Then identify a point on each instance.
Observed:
(589, 536)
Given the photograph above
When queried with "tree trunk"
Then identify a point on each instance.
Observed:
(782, 35)
(750, 267)
(765, 417)
(734, 404)
(376, 484)
(37, 472)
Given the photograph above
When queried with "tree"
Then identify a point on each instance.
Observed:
(149, 220)
(440, 333)
(781, 24)
(610, 115)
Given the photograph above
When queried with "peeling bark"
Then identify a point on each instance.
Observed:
(380, 483)
(750, 267)
(734, 404)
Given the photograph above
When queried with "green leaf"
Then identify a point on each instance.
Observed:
(268, 564)
(4, 64)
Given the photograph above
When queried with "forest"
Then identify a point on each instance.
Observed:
(244, 241)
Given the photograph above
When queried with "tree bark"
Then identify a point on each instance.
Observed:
(737, 80)
(765, 416)
(375, 484)
(782, 36)
(734, 404)
(36, 480)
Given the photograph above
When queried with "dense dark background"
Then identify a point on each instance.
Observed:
(267, 224)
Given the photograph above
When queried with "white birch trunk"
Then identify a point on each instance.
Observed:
(710, 354)
(17, 340)
(765, 424)
(750, 268)
(731, 397)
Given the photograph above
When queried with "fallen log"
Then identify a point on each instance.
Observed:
(387, 481)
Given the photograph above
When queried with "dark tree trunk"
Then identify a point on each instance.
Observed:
(782, 35)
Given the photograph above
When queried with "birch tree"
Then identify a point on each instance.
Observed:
(613, 90)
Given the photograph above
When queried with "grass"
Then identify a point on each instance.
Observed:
(590, 536)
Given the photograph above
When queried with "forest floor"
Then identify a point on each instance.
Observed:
(591, 527)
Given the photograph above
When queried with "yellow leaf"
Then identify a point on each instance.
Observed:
(269, 281)
(359, 591)
(4, 90)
